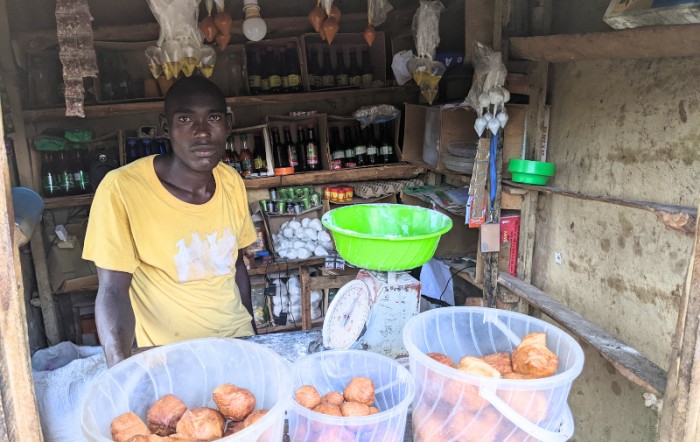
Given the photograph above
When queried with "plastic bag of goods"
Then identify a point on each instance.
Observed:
(62, 374)
(472, 377)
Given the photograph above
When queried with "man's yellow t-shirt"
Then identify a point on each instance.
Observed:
(182, 256)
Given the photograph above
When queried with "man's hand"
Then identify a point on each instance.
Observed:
(114, 315)
(243, 283)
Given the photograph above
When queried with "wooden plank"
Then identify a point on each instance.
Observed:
(629, 362)
(683, 219)
(644, 42)
(48, 305)
(68, 201)
(680, 414)
(283, 266)
(329, 282)
(517, 83)
(118, 109)
(305, 298)
(388, 172)
(20, 413)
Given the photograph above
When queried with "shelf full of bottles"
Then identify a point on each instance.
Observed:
(361, 147)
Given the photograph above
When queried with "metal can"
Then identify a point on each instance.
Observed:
(341, 195)
(334, 194)
(289, 207)
(315, 199)
(264, 205)
(348, 193)
(306, 203)
(327, 192)
(273, 195)
(297, 208)
(272, 206)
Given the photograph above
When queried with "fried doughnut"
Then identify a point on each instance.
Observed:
(233, 402)
(164, 414)
(308, 396)
(534, 360)
(442, 358)
(360, 389)
(476, 366)
(350, 409)
(499, 361)
(374, 410)
(201, 424)
(253, 418)
(329, 409)
(333, 397)
(539, 338)
(126, 426)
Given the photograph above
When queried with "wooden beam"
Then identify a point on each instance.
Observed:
(680, 416)
(680, 218)
(20, 413)
(644, 42)
(629, 362)
(305, 298)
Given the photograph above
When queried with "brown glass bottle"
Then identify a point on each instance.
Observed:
(259, 160)
(246, 157)
(313, 161)
(337, 150)
(278, 150)
(301, 149)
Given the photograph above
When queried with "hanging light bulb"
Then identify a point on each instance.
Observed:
(254, 27)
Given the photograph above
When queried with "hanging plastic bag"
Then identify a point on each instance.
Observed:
(426, 33)
(400, 68)
(377, 11)
(376, 114)
(487, 89)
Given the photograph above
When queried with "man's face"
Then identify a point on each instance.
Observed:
(198, 129)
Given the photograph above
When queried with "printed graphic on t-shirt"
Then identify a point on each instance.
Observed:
(205, 255)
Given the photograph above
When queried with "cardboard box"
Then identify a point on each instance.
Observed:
(623, 14)
(343, 42)
(510, 233)
(455, 125)
(459, 241)
(394, 125)
(67, 270)
(273, 223)
(251, 131)
(253, 46)
(320, 123)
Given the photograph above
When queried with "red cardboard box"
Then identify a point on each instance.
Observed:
(510, 233)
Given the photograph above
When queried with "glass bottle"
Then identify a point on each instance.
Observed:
(290, 149)
(301, 149)
(328, 78)
(132, 150)
(49, 177)
(80, 174)
(386, 146)
(254, 80)
(259, 160)
(264, 68)
(40, 82)
(349, 146)
(235, 157)
(273, 74)
(341, 71)
(354, 71)
(227, 158)
(246, 157)
(293, 69)
(148, 146)
(281, 59)
(312, 59)
(337, 150)
(372, 151)
(312, 158)
(235, 76)
(279, 152)
(65, 174)
(360, 147)
(367, 71)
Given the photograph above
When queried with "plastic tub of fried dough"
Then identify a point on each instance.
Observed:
(192, 371)
(453, 405)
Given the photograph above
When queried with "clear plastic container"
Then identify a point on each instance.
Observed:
(191, 370)
(463, 148)
(453, 405)
(332, 371)
(431, 139)
(458, 164)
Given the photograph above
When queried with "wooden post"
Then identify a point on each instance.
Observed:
(20, 416)
(680, 416)
(305, 297)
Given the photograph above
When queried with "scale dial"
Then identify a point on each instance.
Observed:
(347, 316)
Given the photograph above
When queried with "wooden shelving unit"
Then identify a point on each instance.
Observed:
(129, 108)
(678, 218)
(644, 42)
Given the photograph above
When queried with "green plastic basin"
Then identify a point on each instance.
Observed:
(531, 167)
(530, 178)
(386, 237)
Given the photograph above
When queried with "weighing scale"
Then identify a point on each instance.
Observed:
(369, 312)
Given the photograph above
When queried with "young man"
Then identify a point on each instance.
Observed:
(166, 234)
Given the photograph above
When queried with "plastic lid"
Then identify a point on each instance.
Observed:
(346, 316)
(284, 170)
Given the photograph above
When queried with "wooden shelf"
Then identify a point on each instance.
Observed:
(459, 176)
(282, 266)
(68, 201)
(678, 218)
(644, 42)
(118, 109)
(629, 362)
(285, 328)
(388, 172)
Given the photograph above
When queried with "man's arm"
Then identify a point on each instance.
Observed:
(243, 283)
(114, 315)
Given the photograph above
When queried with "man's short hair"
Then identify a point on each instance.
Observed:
(186, 88)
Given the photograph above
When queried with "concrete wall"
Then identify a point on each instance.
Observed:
(627, 129)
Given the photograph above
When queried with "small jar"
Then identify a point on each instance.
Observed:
(327, 192)
(348, 193)
(334, 194)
